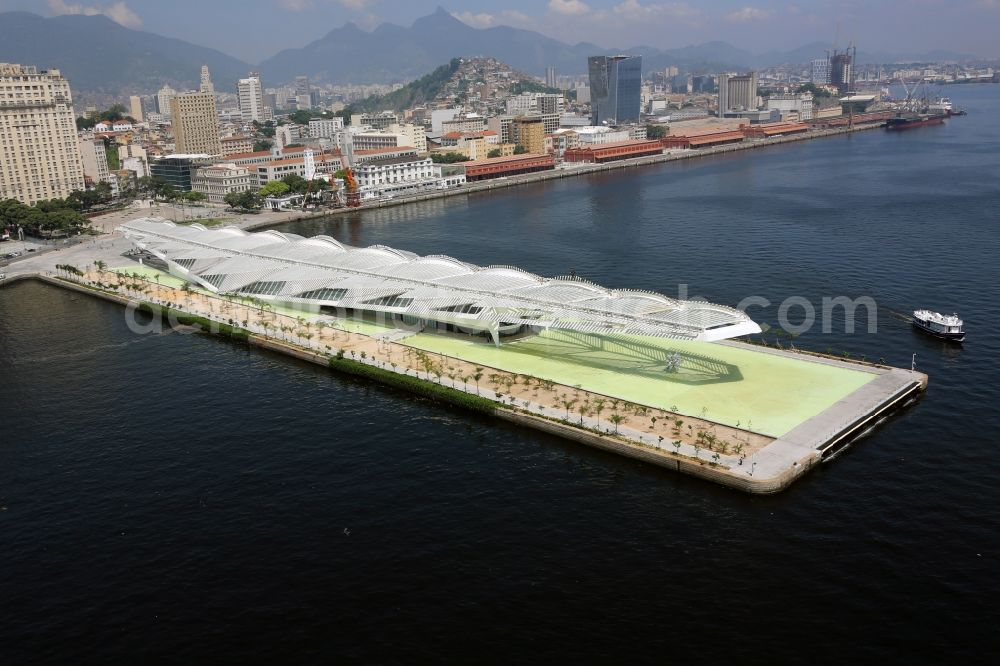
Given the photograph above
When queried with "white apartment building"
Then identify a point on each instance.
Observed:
(94, 157)
(529, 102)
(286, 134)
(250, 96)
(39, 151)
(325, 128)
(374, 140)
(133, 158)
(218, 180)
(379, 121)
(163, 97)
(793, 106)
(438, 116)
(136, 165)
(415, 135)
(470, 123)
(591, 136)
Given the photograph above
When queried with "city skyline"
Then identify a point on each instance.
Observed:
(900, 26)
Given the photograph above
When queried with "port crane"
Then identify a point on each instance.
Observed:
(352, 194)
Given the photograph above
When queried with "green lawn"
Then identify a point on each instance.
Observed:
(732, 385)
(150, 273)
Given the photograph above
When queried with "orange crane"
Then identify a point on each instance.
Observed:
(351, 185)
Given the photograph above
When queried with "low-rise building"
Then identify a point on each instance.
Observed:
(233, 145)
(365, 156)
(218, 180)
(177, 170)
(395, 170)
(797, 106)
(502, 167)
(609, 152)
(278, 169)
(601, 134)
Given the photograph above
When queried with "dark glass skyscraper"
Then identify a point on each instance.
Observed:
(615, 88)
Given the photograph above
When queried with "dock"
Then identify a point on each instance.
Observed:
(765, 454)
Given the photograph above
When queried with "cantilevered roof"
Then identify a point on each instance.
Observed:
(277, 265)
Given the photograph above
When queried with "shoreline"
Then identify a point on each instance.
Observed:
(777, 463)
(250, 224)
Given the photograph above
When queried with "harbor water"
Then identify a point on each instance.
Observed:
(183, 498)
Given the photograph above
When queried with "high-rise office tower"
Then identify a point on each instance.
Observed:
(39, 153)
(615, 89)
(251, 98)
(206, 81)
(737, 93)
(820, 71)
(841, 74)
(135, 108)
(301, 86)
(550, 77)
(163, 97)
(195, 123)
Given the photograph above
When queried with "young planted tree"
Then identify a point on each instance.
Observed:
(616, 419)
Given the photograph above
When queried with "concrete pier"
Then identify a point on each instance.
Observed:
(774, 464)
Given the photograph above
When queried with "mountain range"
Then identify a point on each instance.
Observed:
(99, 55)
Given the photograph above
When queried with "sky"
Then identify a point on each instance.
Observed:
(253, 30)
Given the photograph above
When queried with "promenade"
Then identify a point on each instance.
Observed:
(567, 399)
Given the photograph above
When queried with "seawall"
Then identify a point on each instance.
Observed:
(515, 181)
(781, 463)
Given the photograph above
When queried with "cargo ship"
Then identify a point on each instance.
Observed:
(904, 121)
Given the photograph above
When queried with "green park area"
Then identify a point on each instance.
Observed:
(763, 392)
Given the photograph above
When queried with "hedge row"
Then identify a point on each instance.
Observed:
(416, 385)
(194, 320)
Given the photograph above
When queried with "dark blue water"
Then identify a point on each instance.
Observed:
(185, 499)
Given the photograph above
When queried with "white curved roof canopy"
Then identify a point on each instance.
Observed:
(321, 270)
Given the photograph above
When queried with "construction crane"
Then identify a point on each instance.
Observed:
(353, 195)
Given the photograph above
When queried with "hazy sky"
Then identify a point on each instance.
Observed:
(255, 29)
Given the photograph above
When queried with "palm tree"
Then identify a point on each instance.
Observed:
(598, 408)
(616, 419)
(568, 404)
(477, 376)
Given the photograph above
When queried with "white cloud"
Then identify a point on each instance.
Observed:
(118, 12)
(356, 5)
(515, 16)
(748, 14)
(482, 20)
(569, 7)
(295, 5)
(633, 9)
